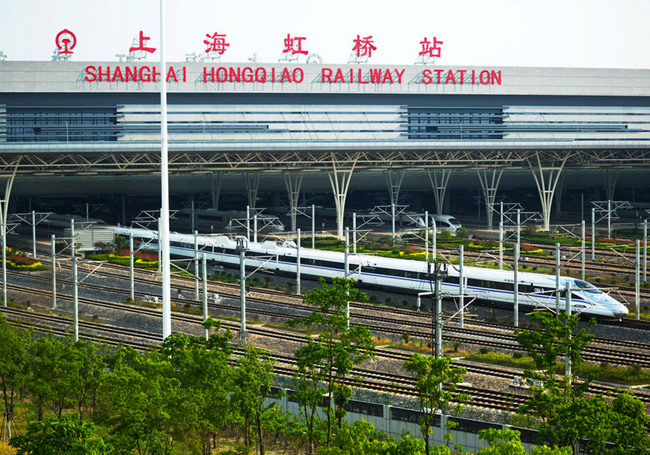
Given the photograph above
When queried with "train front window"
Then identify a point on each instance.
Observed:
(587, 287)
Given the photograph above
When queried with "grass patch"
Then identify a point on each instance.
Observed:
(632, 375)
(644, 314)
(501, 359)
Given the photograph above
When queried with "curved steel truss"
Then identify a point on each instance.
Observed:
(62, 162)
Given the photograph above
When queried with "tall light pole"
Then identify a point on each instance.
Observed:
(164, 186)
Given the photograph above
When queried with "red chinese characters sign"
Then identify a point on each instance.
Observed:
(364, 46)
(430, 49)
(143, 44)
(294, 45)
(216, 43)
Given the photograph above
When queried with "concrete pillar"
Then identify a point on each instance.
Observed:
(546, 178)
(489, 179)
(340, 182)
(610, 176)
(252, 183)
(439, 179)
(215, 188)
(4, 207)
(394, 182)
(293, 182)
(558, 196)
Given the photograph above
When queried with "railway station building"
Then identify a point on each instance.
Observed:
(73, 129)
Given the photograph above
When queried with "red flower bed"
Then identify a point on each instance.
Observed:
(21, 260)
(147, 256)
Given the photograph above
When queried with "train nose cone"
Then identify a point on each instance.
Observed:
(620, 313)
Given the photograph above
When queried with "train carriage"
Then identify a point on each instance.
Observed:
(534, 289)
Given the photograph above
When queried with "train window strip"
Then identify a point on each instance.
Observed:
(508, 286)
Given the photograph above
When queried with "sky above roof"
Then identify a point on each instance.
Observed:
(551, 33)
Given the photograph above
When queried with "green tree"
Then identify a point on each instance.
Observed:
(436, 383)
(253, 379)
(508, 442)
(559, 403)
(276, 424)
(70, 435)
(566, 413)
(13, 368)
(629, 426)
(330, 357)
(64, 374)
(205, 378)
(140, 402)
(309, 394)
(554, 340)
(362, 438)
(86, 366)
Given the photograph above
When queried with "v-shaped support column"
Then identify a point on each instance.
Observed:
(293, 182)
(546, 178)
(215, 188)
(394, 182)
(439, 179)
(610, 176)
(4, 208)
(252, 182)
(340, 181)
(489, 179)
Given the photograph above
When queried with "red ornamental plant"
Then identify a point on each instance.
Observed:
(146, 256)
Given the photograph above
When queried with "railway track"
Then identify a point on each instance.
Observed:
(418, 326)
(232, 290)
(506, 340)
(284, 365)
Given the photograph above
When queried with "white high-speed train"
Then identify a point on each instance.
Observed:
(535, 289)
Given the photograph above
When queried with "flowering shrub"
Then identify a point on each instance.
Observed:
(145, 257)
(145, 262)
(24, 263)
(529, 249)
(473, 246)
(412, 253)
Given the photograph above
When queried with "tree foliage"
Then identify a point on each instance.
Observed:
(436, 383)
(339, 346)
(253, 379)
(64, 374)
(508, 442)
(69, 435)
(566, 413)
(205, 381)
(140, 403)
(555, 339)
(13, 367)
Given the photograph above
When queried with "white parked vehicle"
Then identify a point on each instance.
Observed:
(446, 223)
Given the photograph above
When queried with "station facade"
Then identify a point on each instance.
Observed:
(79, 128)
